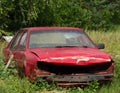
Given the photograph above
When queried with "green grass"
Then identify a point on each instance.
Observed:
(11, 83)
(111, 40)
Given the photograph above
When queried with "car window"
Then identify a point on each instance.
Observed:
(16, 41)
(22, 41)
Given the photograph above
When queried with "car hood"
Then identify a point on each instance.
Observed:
(72, 56)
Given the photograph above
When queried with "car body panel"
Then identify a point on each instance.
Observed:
(72, 56)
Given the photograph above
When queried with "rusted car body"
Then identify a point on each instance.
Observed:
(64, 55)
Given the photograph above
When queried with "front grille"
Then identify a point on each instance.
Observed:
(66, 69)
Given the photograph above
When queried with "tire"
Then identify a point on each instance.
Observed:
(21, 72)
(30, 75)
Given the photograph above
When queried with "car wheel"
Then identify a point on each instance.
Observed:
(32, 76)
(30, 73)
(21, 73)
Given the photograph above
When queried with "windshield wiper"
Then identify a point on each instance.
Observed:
(84, 46)
(65, 46)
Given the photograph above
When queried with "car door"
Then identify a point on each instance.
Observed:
(19, 54)
(11, 48)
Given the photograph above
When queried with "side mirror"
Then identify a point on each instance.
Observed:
(100, 46)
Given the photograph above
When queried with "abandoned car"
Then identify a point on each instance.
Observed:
(64, 55)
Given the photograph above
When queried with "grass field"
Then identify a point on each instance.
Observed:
(11, 83)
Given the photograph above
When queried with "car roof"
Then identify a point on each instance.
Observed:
(50, 28)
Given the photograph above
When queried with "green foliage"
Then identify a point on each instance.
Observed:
(88, 14)
(5, 33)
(101, 13)
(92, 87)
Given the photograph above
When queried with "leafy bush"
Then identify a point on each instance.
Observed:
(5, 33)
(88, 14)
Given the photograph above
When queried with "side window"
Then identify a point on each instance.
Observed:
(22, 41)
(16, 41)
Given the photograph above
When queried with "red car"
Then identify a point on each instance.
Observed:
(64, 55)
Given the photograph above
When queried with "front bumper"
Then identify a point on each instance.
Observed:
(77, 79)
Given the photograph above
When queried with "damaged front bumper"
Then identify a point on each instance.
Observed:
(75, 75)
(76, 79)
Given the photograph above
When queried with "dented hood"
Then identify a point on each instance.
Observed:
(72, 56)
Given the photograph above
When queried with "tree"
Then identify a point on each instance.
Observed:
(90, 14)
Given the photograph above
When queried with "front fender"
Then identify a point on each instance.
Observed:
(30, 63)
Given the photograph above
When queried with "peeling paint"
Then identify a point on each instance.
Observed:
(82, 59)
(78, 58)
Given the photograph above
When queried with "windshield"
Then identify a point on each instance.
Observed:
(59, 38)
